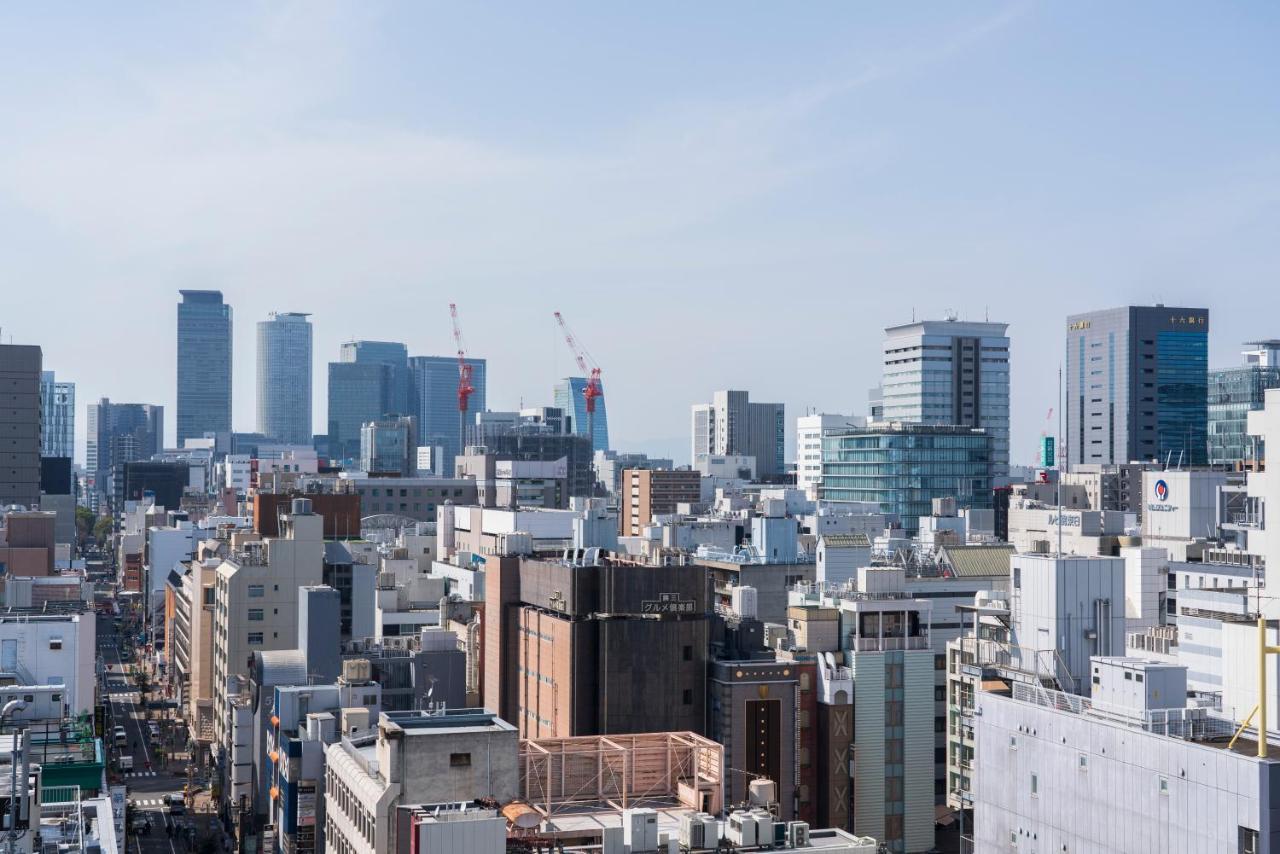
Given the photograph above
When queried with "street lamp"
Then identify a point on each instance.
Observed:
(14, 705)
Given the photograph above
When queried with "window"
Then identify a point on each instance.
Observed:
(688, 653)
(459, 760)
(1083, 762)
(255, 638)
(939, 693)
(256, 591)
(939, 662)
(55, 643)
(1163, 785)
(1013, 742)
(255, 615)
(1035, 785)
(687, 697)
(1129, 677)
(1137, 676)
(57, 698)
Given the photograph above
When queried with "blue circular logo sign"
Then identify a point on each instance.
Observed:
(1162, 491)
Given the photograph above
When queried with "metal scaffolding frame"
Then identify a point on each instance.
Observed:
(561, 775)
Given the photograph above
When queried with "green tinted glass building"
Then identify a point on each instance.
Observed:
(902, 467)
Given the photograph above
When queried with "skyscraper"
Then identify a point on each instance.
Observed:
(569, 397)
(368, 383)
(119, 433)
(434, 399)
(58, 405)
(1137, 385)
(20, 425)
(284, 377)
(204, 365)
(950, 372)
(732, 424)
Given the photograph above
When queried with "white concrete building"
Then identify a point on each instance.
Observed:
(1055, 772)
(256, 597)
(51, 649)
(809, 432)
(417, 757)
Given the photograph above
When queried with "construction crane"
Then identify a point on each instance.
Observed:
(592, 374)
(465, 388)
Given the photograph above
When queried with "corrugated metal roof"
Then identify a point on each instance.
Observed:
(282, 667)
(968, 561)
(845, 541)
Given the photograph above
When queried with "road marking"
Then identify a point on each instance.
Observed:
(141, 774)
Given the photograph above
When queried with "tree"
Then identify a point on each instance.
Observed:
(84, 523)
(102, 529)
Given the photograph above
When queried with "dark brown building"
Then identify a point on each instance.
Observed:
(341, 512)
(612, 647)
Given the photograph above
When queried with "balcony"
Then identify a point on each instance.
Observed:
(889, 644)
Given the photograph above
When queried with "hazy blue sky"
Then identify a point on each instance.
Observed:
(715, 194)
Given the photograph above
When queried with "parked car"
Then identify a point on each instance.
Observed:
(120, 737)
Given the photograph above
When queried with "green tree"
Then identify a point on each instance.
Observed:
(84, 523)
(102, 529)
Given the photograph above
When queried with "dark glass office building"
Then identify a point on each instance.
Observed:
(369, 383)
(434, 398)
(1137, 386)
(902, 467)
(204, 365)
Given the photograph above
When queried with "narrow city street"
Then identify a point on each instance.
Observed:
(160, 765)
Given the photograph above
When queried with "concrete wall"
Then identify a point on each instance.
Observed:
(1113, 802)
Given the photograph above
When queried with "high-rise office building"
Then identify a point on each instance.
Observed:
(732, 425)
(20, 425)
(569, 397)
(950, 372)
(119, 433)
(284, 377)
(204, 365)
(387, 446)
(434, 399)
(1233, 394)
(58, 405)
(368, 383)
(1137, 386)
(394, 355)
(904, 466)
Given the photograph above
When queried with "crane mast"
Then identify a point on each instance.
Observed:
(465, 388)
(590, 372)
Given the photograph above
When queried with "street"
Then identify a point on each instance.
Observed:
(153, 778)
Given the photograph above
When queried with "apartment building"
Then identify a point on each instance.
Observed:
(647, 493)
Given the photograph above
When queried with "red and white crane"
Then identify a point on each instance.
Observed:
(590, 371)
(465, 388)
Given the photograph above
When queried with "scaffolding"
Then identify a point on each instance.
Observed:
(566, 775)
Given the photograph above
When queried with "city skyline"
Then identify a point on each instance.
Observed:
(837, 165)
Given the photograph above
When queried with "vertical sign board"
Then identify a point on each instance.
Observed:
(306, 803)
(1048, 452)
(100, 721)
(118, 795)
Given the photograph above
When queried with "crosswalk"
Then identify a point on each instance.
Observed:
(140, 774)
(124, 696)
(149, 802)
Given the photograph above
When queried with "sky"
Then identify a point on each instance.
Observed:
(715, 194)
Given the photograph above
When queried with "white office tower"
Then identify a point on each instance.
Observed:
(733, 425)
(950, 372)
(1146, 583)
(1064, 609)
(809, 432)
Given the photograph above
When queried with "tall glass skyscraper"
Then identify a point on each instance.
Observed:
(369, 383)
(950, 372)
(568, 396)
(284, 377)
(434, 393)
(204, 365)
(902, 467)
(1137, 386)
(58, 412)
